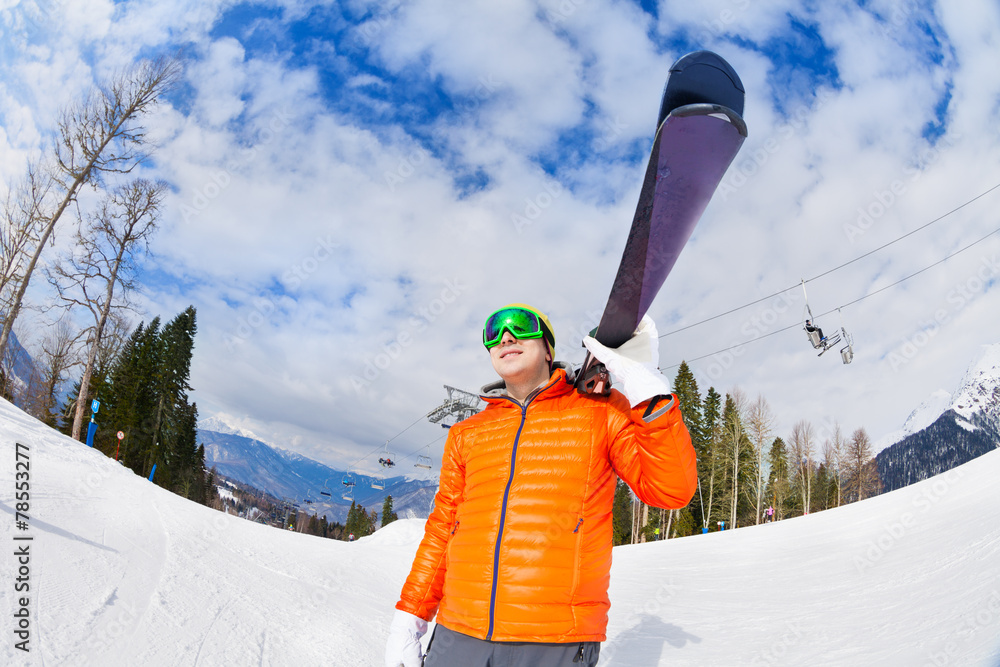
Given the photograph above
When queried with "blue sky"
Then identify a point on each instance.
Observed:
(350, 185)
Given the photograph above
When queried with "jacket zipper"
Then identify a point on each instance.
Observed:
(503, 506)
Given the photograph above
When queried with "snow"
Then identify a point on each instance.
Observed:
(223, 423)
(978, 391)
(923, 416)
(125, 573)
(981, 381)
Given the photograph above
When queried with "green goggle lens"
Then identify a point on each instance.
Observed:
(519, 322)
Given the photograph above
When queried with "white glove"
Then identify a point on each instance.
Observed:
(634, 363)
(403, 646)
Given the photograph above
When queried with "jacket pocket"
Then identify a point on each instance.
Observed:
(577, 542)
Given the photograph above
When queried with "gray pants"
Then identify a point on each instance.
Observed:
(453, 649)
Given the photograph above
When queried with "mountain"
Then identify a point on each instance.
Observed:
(947, 430)
(22, 369)
(315, 487)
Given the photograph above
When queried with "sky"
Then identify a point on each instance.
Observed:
(355, 186)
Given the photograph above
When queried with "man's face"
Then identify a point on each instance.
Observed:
(521, 360)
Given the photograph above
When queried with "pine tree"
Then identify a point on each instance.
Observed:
(778, 487)
(711, 461)
(130, 398)
(686, 389)
(170, 386)
(388, 516)
(621, 515)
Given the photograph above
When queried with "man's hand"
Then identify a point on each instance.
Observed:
(403, 646)
(634, 363)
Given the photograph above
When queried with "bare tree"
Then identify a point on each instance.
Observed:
(100, 274)
(760, 426)
(861, 472)
(20, 227)
(58, 353)
(801, 451)
(101, 135)
(834, 452)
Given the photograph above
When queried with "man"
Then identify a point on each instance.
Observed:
(516, 556)
(811, 328)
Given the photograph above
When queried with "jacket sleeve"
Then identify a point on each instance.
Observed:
(650, 449)
(423, 588)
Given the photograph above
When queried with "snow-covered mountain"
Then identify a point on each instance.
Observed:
(22, 367)
(222, 423)
(318, 488)
(122, 572)
(947, 429)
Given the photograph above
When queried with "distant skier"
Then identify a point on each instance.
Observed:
(540, 450)
(386, 462)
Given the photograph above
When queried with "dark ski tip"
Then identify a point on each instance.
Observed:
(701, 77)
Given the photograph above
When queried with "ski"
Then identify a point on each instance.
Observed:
(700, 129)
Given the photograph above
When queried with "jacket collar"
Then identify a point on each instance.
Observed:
(560, 382)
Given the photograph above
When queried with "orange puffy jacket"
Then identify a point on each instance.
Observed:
(518, 547)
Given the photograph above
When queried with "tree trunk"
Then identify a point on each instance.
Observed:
(95, 345)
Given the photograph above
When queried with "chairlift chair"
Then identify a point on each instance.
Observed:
(378, 483)
(387, 459)
(847, 352)
(821, 343)
(349, 484)
(423, 462)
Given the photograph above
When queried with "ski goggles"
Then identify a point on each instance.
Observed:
(522, 323)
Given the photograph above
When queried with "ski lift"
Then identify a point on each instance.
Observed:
(326, 489)
(378, 482)
(424, 462)
(846, 352)
(349, 484)
(814, 333)
(388, 459)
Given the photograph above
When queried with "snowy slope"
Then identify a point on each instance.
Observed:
(124, 573)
